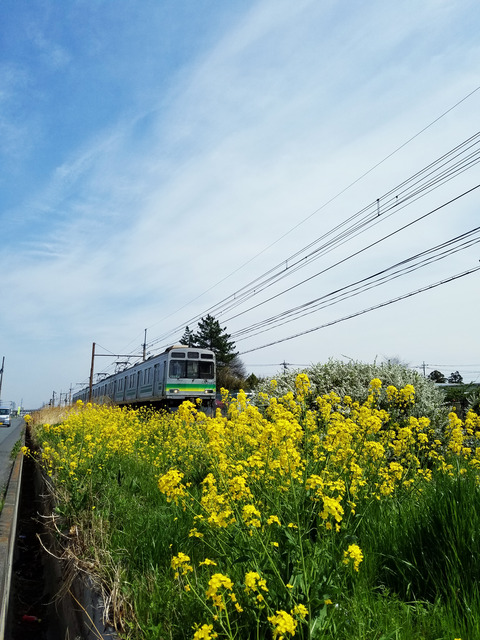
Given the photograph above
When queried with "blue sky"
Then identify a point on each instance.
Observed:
(158, 156)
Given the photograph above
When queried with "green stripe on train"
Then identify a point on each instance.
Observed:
(190, 388)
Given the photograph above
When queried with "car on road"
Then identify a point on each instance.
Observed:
(5, 417)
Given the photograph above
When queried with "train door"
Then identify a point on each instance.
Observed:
(164, 379)
(139, 380)
(156, 380)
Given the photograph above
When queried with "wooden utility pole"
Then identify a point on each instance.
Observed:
(90, 387)
(1, 376)
(108, 355)
(285, 365)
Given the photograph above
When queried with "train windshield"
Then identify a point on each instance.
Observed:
(4, 412)
(191, 369)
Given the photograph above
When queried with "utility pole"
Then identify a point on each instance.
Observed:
(423, 367)
(145, 346)
(107, 355)
(91, 374)
(1, 376)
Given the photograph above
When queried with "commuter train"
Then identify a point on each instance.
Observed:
(179, 373)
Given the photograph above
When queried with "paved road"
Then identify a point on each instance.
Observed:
(8, 438)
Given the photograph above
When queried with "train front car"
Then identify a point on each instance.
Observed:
(190, 375)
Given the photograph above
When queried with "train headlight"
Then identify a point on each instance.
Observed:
(174, 390)
(208, 391)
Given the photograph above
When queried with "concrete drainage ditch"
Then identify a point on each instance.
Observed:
(41, 604)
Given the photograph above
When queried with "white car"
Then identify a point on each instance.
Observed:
(5, 417)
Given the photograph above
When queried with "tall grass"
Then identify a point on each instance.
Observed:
(309, 518)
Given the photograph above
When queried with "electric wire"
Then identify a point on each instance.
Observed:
(375, 215)
(323, 206)
(399, 197)
(355, 254)
(425, 258)
(322, 301)
(358, 313)
(448, 174)
(453, 365)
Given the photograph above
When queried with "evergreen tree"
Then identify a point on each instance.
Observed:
(437, 376)
(455, 378)
(252, 381)
(211, 336)
(188, 338)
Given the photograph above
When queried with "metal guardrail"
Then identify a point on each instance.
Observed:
(8, 529)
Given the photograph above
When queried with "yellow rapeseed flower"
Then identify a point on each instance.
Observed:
(207, 562)
(282, 623)
(300, 610)
(180, 564)
(251, 516)
(217, 582)
(205, 632)
(171, 485)
(353, 554)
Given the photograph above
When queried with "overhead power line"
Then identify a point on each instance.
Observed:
(431, 177)
(456, 161)
(356, 253)
(358, 313)
(317, 210)
(453, 365)
(378, 216)
(404, 267)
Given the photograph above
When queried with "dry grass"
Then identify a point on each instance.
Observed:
(50, 415)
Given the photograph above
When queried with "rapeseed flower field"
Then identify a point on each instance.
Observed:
(296, 517)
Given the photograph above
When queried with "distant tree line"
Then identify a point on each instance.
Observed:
(453, 378)
(461, 397)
